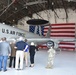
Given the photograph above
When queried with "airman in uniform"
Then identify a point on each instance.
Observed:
(51, 54)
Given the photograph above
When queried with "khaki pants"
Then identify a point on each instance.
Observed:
(26, 58)
(19, 55)
(50, 60)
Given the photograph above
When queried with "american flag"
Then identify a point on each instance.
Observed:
(66, 30)
(32, 29)
(63, 30)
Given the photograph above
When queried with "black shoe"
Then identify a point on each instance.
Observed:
(31, 66)
(5, 70)
(10, 67)
(13, 67)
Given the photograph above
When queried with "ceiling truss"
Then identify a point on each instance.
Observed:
(13, 10)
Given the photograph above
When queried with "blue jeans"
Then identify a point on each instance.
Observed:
(3, 59)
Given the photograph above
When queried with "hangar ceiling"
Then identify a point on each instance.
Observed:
(13, 10)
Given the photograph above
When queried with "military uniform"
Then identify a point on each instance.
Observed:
(51, 54)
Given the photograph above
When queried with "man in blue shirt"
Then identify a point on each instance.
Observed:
(20, 46)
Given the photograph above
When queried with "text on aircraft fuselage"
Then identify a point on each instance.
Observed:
(13, 32)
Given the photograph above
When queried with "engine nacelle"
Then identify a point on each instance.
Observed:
(50, 44)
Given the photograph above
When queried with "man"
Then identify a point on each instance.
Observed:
(5, 50)
(20, 46)
(51, 54)
(26, 50)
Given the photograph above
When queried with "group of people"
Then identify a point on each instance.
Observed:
(17, 52)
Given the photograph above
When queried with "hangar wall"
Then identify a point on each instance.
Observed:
(59, 16)
(51, 16)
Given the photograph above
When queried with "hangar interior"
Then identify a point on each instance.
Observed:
(62, 17)
(11, 11)
(18, 12)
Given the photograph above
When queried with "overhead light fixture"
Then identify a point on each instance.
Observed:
(72, 0)
(52, 3)
(68, 0)
(15, 8)
(13, 20)
(3, 22)
(26, 7)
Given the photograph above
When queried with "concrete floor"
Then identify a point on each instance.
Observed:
(64, 64)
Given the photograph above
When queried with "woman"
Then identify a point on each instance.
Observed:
(32, 49)
(13, 55)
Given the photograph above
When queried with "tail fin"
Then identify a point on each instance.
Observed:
(48, 32)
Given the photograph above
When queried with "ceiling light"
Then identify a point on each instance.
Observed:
(3, 23)
(71, 0)
(26, 7)
(15, 8)
(13, 20)
(52, 3)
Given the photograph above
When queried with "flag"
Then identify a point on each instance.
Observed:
(63, 30)
(66, 30)
(32, 29)
(45, 30)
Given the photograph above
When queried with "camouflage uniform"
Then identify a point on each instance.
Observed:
(51, 54)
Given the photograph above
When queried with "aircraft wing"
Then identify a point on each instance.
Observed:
(64, 39)
(45, 40)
